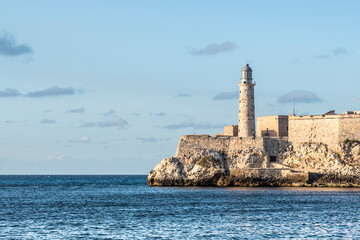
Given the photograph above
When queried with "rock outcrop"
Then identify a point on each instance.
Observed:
(310, 164)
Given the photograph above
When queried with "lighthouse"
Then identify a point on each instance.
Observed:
(246, 104)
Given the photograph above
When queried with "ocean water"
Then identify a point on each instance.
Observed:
(124, 207)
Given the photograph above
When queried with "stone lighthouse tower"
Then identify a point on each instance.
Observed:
(246, 104)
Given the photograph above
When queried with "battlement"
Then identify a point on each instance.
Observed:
(328, 129)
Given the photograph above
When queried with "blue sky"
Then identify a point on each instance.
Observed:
(109, 87)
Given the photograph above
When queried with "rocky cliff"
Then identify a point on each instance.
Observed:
(310, 164)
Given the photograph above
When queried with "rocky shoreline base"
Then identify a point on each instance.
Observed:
(309, 165)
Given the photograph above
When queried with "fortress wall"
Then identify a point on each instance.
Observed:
(191, 143)
(283, 126)
(318, 129)
(328, 129)
(349, 127)
(275, 145)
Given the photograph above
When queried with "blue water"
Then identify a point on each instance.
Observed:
(124, 207)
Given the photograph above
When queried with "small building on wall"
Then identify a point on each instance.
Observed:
(272, 126)
(231, 130)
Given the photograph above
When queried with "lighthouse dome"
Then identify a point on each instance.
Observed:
(246, 68)
(246, 74)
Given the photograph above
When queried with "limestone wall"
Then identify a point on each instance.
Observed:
(283, 126)
(349, 127)
(273, 146)
(191, 143)
(328, 129)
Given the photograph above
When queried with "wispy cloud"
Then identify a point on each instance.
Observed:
(213, 49)
(183, 95)
(9, 47)
(337, 52)
(83, 139)
(322, 56)
(9, 92)
(10, 121)
(194, 125)
(147, 140)
(53, 92)
(76, 110)
(47, 121)
(150, 139)
(110, 113)
(160, 114)
(299, 96)
(226, 96)
(340, 51)
(117, 122)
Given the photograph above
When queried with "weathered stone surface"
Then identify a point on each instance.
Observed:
(218, 164)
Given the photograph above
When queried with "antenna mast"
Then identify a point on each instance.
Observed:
(293, 100)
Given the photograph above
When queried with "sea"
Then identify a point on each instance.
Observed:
(124, 207)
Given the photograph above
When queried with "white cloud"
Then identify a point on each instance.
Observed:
(9, 47)
(213, 49)
(299, 96)
(53, 92)
(83, 139)
(116, 122)
(9, 92)
(47, 121)
(226, 96)
(194, 125)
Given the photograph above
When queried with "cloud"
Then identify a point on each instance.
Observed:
(76, 110)
(63, 157)
(194, 125)
(340, 51)
(213, 49)
(151, 139)
(10, 121)
(147, 140)
(9, 47)
(117, 122)
(337, 52)
(299, 96)
(183, 95)
(47, 121)
(110, 113)
(226, 96)
(160, 114)
(9, 92)
(53, 92)
(322, 56)
(84, 139)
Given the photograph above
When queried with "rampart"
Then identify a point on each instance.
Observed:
(191, 143)
(328, 129)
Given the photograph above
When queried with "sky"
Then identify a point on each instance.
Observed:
(109, 87)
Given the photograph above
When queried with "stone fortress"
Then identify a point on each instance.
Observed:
(285, 150)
